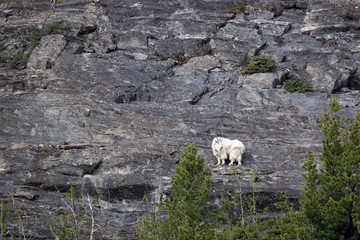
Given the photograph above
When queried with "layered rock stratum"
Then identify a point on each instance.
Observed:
(109, 109)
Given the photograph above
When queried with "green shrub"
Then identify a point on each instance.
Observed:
(331, 196)
(30, 38)
(58, 27)
(70, 224)
(297, 84)
(4, 220)
(13, 221)
(2, 58)
(260, 64)
(289, 226)
(2, 47)
(17, 58)
(33, 34)
(185, 214)
(247, 225)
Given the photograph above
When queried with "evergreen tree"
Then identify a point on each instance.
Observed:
(185, 216)
(331, 196)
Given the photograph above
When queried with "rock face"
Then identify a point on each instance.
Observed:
(44, 55)
(109, 111)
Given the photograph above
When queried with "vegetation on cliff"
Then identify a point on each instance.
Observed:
(184, 217)
(330, 203)
(295, 84)
(27, 38)
(331, 196)
(259, 64)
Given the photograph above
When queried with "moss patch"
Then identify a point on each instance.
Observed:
(276, 9)
(295, 84)
(260, 64)
(2, 58)
(2, 47)
(26, 39)
(34, 34)
(242, 8)
(58, 27)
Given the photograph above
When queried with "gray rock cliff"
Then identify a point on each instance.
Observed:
(109, 109)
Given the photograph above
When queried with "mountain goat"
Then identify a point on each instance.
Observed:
(223, 147)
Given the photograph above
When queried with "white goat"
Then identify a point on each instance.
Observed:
(223, 147)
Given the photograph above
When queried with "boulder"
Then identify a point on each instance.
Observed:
(45, 54)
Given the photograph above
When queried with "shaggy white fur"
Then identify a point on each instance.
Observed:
(223, 147)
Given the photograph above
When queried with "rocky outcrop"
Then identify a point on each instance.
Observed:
(44, 55)
(109, 109)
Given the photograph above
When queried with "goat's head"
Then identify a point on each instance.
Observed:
(218, 147)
